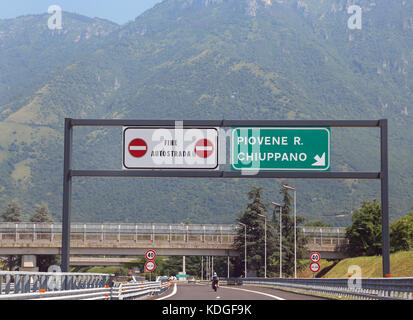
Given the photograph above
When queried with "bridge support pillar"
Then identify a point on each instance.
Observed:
(183, 265)
(29, 263)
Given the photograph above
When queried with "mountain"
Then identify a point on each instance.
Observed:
(205, 59)
(31, 54)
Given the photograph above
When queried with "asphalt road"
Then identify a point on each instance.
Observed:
(205, 292)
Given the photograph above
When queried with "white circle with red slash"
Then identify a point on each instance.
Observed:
(315, 257)
(150, 254)
(150, 265)
(138, 148)
(314, 267)
(204, 148)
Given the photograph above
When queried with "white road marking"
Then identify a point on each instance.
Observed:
(170, 295)
(264, 294)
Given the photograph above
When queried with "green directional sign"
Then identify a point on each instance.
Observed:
(280, 149)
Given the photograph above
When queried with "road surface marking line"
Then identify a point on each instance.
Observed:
(170, 295)
(264, 294)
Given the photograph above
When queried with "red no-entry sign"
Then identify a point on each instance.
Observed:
(138, 148)
(204, 148)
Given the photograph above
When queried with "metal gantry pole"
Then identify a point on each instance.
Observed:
(281, 242)
(295, 234)
(384, 179)
(67, 194)
(265, 249)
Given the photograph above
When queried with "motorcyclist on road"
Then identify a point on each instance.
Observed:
(215, 281)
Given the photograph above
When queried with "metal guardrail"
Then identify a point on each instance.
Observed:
(14, 282)
(134, 290)
(149, 228)
(73, 286)
(114, 228)
(355, 288)
(13, 232)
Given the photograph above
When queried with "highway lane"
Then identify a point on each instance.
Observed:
(205, 292)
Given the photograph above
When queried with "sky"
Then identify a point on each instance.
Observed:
(119, 11)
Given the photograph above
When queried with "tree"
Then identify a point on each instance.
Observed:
(42, 214)
(12, 213)
(401, 233)
(255, 235)
(364, 234)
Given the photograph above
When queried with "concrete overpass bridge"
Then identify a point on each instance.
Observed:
(131, 240)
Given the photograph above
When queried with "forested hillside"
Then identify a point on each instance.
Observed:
(214, 59)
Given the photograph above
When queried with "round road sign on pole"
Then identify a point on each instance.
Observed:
(314, 267)
(138, 148)
(150, 254)
(315, 257)
(150, 266)
(204, 148)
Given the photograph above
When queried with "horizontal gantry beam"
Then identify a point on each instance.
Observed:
(224, 174)
(228, 123)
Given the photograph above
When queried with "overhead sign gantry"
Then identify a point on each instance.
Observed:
(293, 149)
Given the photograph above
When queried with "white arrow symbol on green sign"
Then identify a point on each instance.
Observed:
(320, 161)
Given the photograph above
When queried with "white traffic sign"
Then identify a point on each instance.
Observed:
(314, 267)
(150, 266)
(150, 254)
(315, 257)
(170, 148)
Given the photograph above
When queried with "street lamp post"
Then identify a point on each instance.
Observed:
(265, 243)
(245, 247)
(281, 237)
(295, 228)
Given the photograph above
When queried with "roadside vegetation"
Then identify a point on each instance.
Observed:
(371, 267)
(364, 248)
